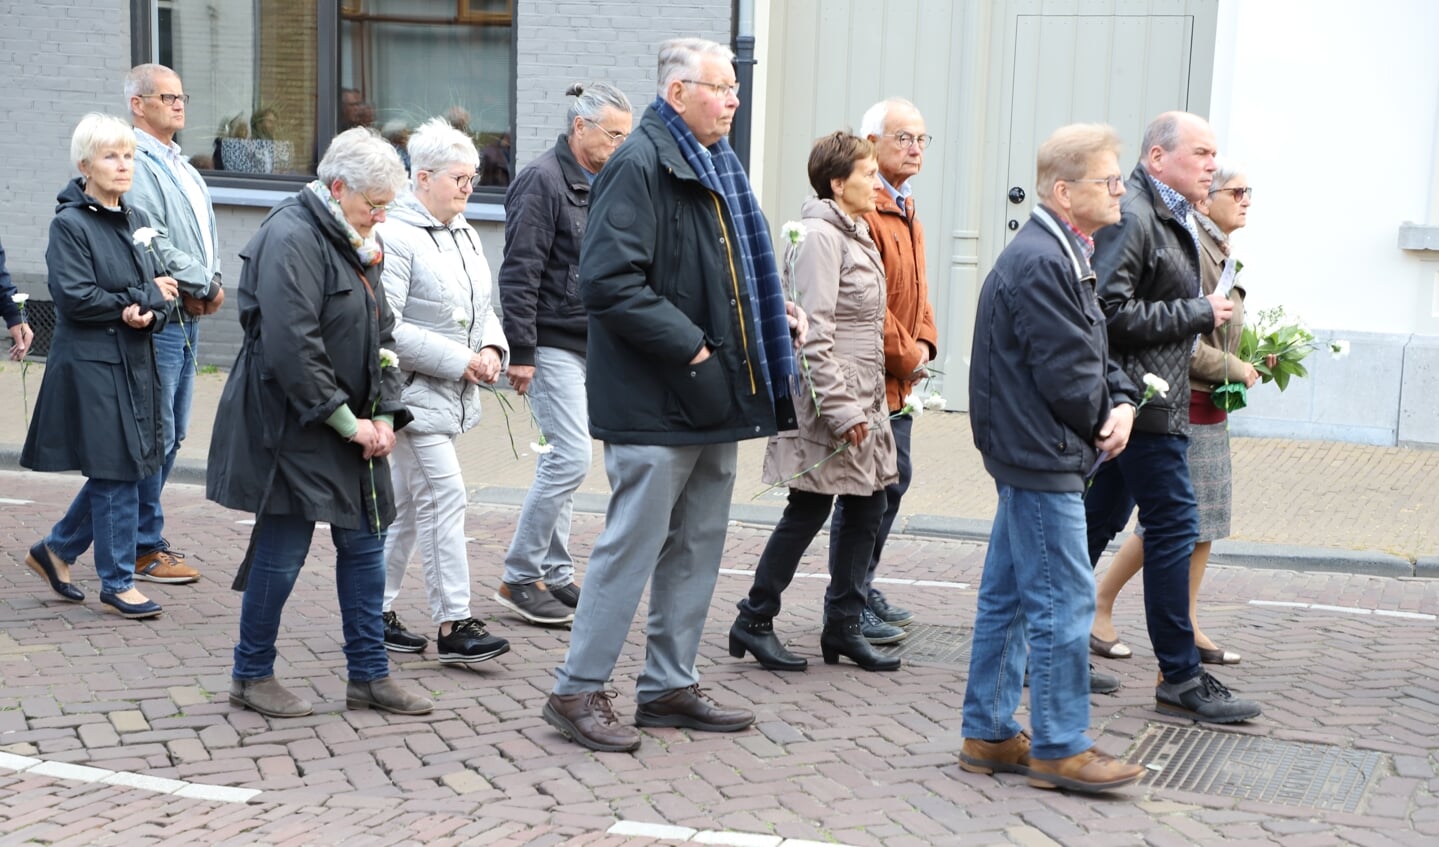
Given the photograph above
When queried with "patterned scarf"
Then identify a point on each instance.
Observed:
(719, 169)
(368, 249)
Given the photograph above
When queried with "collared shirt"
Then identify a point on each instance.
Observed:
(1086, 244)
(899, 194)
(194, 191)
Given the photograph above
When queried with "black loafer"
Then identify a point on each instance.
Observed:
(133, 611)
(41, 562)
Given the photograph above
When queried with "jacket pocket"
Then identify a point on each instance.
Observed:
(703, 392)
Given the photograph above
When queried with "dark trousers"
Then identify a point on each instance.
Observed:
(902, 427)
(1153, 472)
(849, 554)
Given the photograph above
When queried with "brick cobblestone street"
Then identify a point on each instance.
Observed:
(1346, 666)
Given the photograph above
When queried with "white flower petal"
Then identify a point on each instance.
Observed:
(541, 448)
(144, 235)
(20, 299)
(935, 402)
(388, 359)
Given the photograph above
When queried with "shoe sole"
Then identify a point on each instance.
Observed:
(906, 622)
(1052, 781)
(1104, 689)
(683, 722)
(510, 604)
(351, 703)
(985, 766)
(167, 580)
(1181, 712)
(406, 648)
(134, 616)
(470, 659)
(887, 639)
(568, 730)
(243, 704)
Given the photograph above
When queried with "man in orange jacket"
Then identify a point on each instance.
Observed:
(896, 129)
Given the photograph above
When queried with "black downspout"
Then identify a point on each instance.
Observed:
(744, 63)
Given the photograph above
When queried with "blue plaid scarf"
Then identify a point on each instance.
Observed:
(719, 169)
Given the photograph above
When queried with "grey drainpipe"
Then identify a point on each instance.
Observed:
(744, 73)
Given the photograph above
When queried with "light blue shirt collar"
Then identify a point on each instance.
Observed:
(898, 194)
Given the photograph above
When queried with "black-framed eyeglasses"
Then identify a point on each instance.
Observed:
(377, 208)
(723, 89)
(1237, 193)
(461, 180)
(615, 137)
(1113, 183)
(169, 99)
(905, 140)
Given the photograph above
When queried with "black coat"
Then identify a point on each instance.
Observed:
(661, 277)
(313, 330)
(545, 211)
(98, 408)
(1148, 267)
(1041, 382)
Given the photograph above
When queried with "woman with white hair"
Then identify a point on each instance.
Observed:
(449, 341)
(309, 415)
(98, 410)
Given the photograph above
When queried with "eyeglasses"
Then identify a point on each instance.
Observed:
(1237, 193)
(461, 180)
(721, 88)
(169, 99)
(377, 208)
(905, 140)
(1113, 183)
(615, 137)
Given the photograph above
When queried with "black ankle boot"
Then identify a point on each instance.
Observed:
(757, 636)
(843, 637)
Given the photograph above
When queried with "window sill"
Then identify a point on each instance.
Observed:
(1418, 237)
(267, 198)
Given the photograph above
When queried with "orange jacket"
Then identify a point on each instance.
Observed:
(909, 321)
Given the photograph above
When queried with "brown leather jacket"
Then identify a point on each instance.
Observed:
(909, 322)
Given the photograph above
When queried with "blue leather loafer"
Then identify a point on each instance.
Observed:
(134, 611)
(41, 562)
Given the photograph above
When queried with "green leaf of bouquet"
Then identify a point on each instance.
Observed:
(1281, 379)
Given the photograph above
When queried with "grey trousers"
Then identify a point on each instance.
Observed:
(665, 527)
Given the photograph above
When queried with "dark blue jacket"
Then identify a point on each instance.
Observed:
(662, 276)
(98, 409)
(1041, 382)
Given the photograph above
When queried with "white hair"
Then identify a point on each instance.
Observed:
(680, 59)
(592, 98)
(363, 161)
(1224, 171)
(141, 79)
(876, 116)
(436, 145)
(97, 132)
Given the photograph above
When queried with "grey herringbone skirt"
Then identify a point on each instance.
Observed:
(1212, 476)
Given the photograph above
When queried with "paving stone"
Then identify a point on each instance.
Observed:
(129, 721)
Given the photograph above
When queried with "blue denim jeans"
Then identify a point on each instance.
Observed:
(903, 428)
(540, 546)
(1037, 591)
(104, 513)
(1153, 471)
(280, 551)
(176, 365)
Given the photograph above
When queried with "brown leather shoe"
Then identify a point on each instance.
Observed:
(162, 566)
(691, 708)
(1090, 772)
(1008, 756)
(589, 720)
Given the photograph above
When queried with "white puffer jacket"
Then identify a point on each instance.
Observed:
(438, 285)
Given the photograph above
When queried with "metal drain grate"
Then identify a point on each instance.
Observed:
(943, 645)
(1288, 773)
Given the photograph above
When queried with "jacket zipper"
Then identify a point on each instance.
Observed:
(734, 284)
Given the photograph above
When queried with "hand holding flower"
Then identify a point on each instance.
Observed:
(169, 288)
(856, 434)
(484, 367)
(798, 323)
(1114, 433)
(520, 377)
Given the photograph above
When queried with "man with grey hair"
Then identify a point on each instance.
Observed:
(911, 342)
(691, 346)
(170, 191)
(1149, 287)
(545, 322)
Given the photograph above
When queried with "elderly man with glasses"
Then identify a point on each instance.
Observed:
(170, 191)
(911, 342)
(545, 321)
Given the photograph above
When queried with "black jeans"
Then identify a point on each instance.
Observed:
(902, 427)
(849, 554)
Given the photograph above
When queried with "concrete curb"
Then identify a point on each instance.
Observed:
(1246, 554)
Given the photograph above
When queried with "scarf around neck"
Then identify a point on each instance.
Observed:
(719, 169)
(368, 249)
